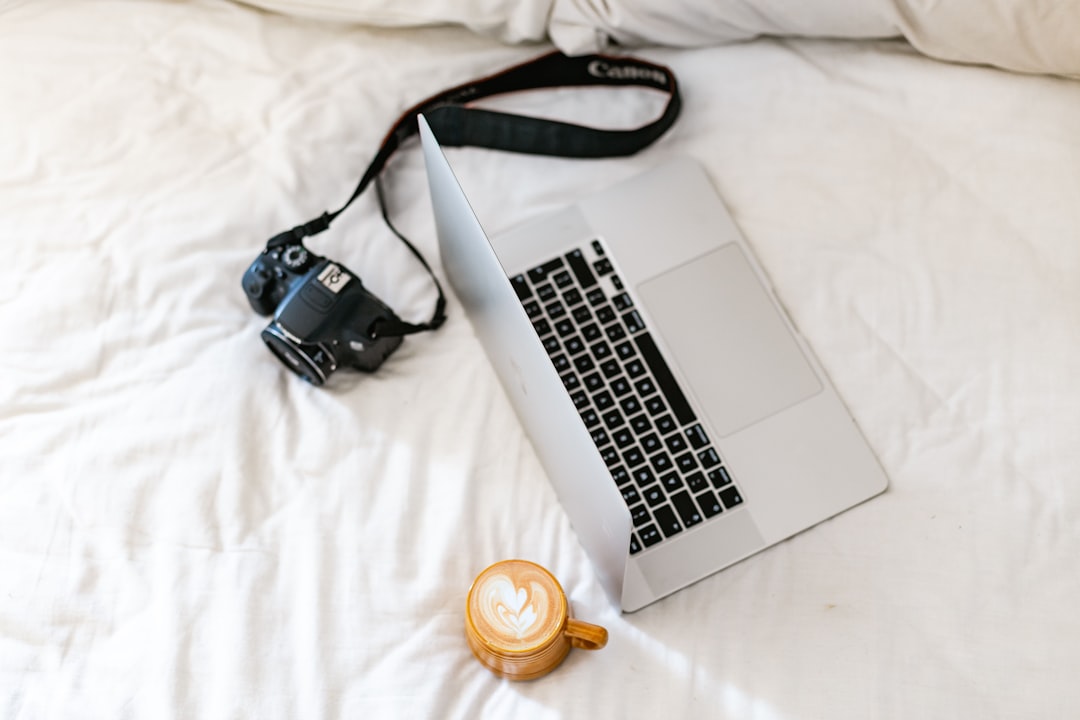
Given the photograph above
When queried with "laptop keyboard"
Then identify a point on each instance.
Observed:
(659, 455)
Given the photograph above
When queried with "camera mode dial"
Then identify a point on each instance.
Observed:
(294, 257)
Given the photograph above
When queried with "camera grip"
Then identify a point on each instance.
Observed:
(259, 284)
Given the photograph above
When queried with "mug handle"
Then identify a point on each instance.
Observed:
(585, 636)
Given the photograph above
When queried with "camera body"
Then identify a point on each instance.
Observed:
(323, 316)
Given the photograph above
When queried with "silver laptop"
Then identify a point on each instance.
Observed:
(683, 421)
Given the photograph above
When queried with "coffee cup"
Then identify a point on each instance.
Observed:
(518, 621)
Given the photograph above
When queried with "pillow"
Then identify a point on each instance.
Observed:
(509, 20)
(1040, 36)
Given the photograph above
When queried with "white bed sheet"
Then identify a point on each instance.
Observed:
(188, 532)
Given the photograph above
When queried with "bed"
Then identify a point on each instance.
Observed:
(189, 531)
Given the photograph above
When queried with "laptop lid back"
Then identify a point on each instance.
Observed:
(580, 477)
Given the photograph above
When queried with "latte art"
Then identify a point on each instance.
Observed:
(512, 610)
(517, 606)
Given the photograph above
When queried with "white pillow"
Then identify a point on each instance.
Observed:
(509, 20)
(1023, 35)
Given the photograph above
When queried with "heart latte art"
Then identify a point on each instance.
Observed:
(516, 605)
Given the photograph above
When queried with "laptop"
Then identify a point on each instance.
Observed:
(681, 418)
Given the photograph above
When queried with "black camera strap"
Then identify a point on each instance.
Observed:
(457, 125)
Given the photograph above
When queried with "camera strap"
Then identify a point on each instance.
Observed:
(456, 124)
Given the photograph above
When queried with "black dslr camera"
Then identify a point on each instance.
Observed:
(324, 318)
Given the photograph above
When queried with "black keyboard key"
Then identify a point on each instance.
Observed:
(644, 477)
(709, 458)
(620, 386)
(686, 462)
(593, 381)
(620, 475)
(655, 405)
(696, 482)
(616, 282)
(610, 456)
(600, 437)
(542, 327)
(697, 437)
(581, 269)
(633, 322)
(688, 511)
(551, 344)
(597, 247)
(649, 535)
(645, 387)
(562, 279)
(603, 266)
(604, 401)
(571, 381)
(625, 350)
(675, 443)
(613, 419)
(633, 457)
(731, 497)
(545, 292)
(605, 314)
(584, 363)
(666, 521)
(665, 379)
(590, 418)
(564, 327)
(666, 424)
(615, 333)
(661, 462)
(532, 309)
(630, 405)
(719, 477)
(521, 287)
(622, 302)
(555, 309)
(640, 423)
(623, 438)
(574, 345)
(601, 350)
(671, 481)
(581, 314)
(650, 443)
(635, 368)
(572, 297)
(610, 368)
(635, 546)
(560, 362)
(630, 495)
(581, 400)
(640, 515)
(709, 505)
(654, 496)
(595, 297)
(591, 332)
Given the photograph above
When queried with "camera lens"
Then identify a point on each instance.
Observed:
(313, 362)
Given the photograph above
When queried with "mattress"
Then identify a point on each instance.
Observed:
(189, 531)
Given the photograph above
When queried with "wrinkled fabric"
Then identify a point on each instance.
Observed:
(1034, 36)
(508, 20)
(1019, 35)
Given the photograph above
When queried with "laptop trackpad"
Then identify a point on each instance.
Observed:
(728, 339)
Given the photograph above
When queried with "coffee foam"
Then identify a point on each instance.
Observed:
(516, 606)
